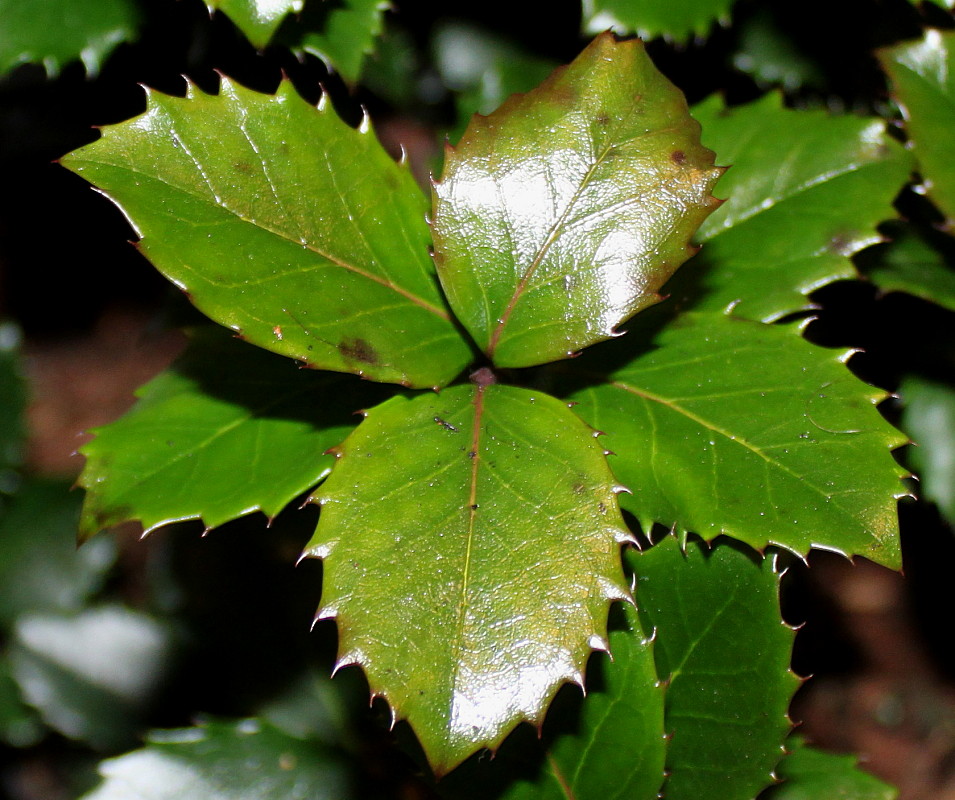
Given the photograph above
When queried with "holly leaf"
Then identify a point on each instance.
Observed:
(257, 19)
(561, 214)
(811, 774)
(649, 19)
(285, 225)
(918, 262)
(929, 418)
(471, 549)
(55, 32)
(923, 79)
(346, 35)
(607, 746)
(727, 426)
(174, 456)
(239, 761)
(715, 613)
(805, 192)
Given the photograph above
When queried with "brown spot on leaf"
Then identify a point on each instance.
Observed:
(358, 350)
(678, 157)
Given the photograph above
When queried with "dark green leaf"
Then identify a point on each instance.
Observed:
(484, 69)
(249, 760)
(923, 79)
(617, 749)
(41, 568)
(19, 725)
(805, 192)
(228, 430)
(257, 19)
(286, 225)
(724, 651)
(912, 262)
(12, 403)
(55, 32)
(768, 52)
(733, 427)
(91, 676)
(562, 214)
(651, 18)
(929, 418)
(811, 774)
(347, 36)
(471, 546)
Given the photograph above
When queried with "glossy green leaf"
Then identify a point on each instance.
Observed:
(249, 760)
(806, 191)
(257, 19)
(918, 262)
(724, 651)
(922, 74)
(811, 774)
(41, 568)
(471, 546)
(483, 69)
(55, 32)
(929, 418)
(651, 18)
(91, 675)
(283, 223)
(562, 214)
(617, 749)
(228, 430)
(727, 426)
(347, 35)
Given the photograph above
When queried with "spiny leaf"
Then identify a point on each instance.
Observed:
(617, 748)
(471, 544)
(562, 213)
(727, 426)
(651, 18)
(55, 32)
(286, 225)
(810, 774)
(724, 652)
(923, 78)
(917, 261)
(257, 19)
(230, 429)
(347, 36)
(805, 192)
(929, 418)
(248, 760)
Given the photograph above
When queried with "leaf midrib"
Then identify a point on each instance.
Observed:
(554, 232)
(741, 441)
(308, 245)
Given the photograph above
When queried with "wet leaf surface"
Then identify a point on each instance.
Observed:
(257, 19)
(562, 214)
(471, 549)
